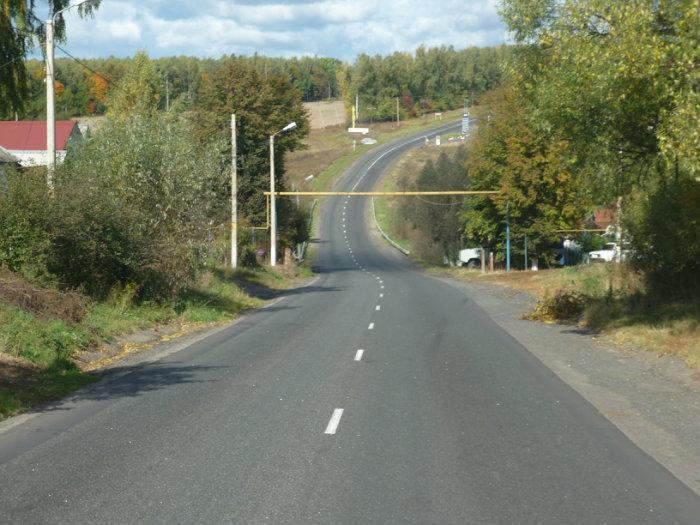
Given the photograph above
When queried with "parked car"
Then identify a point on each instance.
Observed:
(608, 253)
(470, 257)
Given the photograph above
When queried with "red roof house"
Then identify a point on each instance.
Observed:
(26, 139)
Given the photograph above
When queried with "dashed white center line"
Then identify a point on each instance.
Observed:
(381, 295)
(335, 421)
(358, 354)
(371, 326)
(378, 307)
(382, 287)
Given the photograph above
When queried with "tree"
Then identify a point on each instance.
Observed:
(19, 29)
(540, 192)
(437, 219)
(138, 91)
(263, 105)
(619, 83)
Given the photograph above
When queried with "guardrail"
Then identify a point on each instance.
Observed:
(388, 239)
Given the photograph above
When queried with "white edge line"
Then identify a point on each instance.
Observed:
(335, 421)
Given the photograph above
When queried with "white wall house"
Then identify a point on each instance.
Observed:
(26, 140)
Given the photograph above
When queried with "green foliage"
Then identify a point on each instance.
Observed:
(604, 105)
(19, 26)
(138, 91)
(539, 189)
(665, 231)
(24, 224)
(438, 218)
(432, 79)
(263, 106)
(133, 204)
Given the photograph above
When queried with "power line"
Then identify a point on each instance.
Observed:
(106, 79)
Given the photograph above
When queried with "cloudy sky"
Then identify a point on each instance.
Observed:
(341, 29)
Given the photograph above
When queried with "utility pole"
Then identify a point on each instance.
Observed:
(526, 252)
(50, 107)
(357, 106)
(507, 237)
(398, 121)
(167, 93)
(51, 94)
(234, 195)
(273, 209)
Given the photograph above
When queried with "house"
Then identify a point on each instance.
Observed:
(26, 139)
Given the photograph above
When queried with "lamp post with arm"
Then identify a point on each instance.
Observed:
(273, 209)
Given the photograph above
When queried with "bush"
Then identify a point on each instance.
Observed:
(564, 305)
(665, 231)
(24, 222)
(133, 204)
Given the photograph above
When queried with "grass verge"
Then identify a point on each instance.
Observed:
(45, 357)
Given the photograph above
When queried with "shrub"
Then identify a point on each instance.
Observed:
(564, 305)
(24, 222)
(665, 231)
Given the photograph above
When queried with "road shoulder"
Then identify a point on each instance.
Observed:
(654, 401)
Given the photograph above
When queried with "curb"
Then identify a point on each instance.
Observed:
(388, 239)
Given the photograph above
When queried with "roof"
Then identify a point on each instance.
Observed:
(6, 157)
(30, 135)
(604, 217)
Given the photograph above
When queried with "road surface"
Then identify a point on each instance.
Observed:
(375, 395)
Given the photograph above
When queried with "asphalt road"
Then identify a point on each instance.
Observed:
(375, 395)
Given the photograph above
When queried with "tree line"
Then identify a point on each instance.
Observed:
(431, 79)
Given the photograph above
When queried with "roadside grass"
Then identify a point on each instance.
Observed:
(39, 355)
(610, 299)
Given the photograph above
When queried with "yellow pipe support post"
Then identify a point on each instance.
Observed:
(376, 193)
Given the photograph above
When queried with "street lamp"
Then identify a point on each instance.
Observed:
(273, 211)
(50, 94)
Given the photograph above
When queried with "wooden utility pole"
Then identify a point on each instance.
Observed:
(398, 119)
(234, 196)
(50, 106)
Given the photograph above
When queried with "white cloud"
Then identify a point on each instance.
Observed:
(342, 29)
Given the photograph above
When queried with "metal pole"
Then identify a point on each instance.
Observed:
(273, 210)
(508, 237)
(526, 252)
(50, 107)
(234, 196)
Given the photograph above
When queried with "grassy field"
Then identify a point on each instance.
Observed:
(610, 299)
(50, 340)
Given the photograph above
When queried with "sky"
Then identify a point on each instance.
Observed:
(334, 28)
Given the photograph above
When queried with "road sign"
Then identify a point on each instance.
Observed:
(465, 123)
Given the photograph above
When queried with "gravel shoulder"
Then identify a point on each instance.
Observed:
(654, 401)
